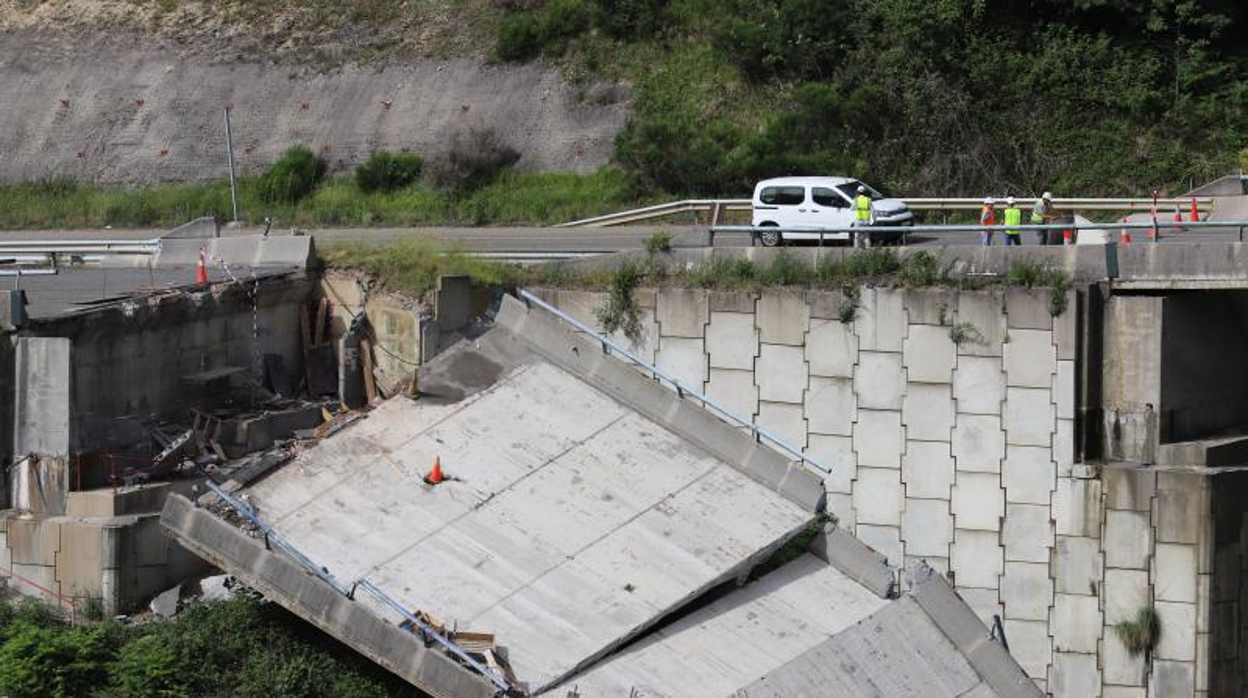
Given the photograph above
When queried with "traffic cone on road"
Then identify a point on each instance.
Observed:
(1195, 211)
(1126, 234)
(435, 476)
(201, 273)
(1178, 219)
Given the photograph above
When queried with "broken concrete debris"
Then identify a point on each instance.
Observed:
(583, 521)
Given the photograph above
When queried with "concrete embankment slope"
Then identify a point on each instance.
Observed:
(581, 507)
(119, 112)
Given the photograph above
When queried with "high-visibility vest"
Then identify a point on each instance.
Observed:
(988, 215)
(1038, 213)
(862, 207)
(1013, 216)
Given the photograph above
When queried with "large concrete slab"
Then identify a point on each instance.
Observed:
(724, 647)
(570, 523)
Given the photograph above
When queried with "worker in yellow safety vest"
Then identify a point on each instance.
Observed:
(1041, 214)
(863, 216)
(1013, 216)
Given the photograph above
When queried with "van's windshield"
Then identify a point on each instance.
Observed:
(850, 189)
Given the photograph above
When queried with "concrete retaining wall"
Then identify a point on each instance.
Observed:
(958, 453)
(134, 359)
(106, 551)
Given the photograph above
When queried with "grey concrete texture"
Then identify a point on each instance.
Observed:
(837, 547)
(134, 356)
(124, 113)
(561, 343)
(561, 503)
(240, 253)
(721, 648)
(897, 651)
(352, 622)
(12, 309)
(41, 397)
(964, 629)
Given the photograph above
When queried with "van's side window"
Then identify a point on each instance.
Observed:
(783, 196)
(827, 197)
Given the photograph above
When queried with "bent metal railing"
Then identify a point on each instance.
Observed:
(425, 631)
(760, 434)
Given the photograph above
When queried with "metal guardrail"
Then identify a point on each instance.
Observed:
(760, 434)
(714, 207)
(50, 247)
(427, 632)
(1166, 227)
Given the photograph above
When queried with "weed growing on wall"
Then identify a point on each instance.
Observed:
(619, 312)
(659, 242)
(1141, 633)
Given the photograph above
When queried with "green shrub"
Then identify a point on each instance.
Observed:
(660, 241)
(475, 158)
(871, 263)
(293, 177)
(786, 269)
(920, 269)
(519, 37)
(386, 171)
(526, 35)
(68, 662)
(147, 667)
(630, 19)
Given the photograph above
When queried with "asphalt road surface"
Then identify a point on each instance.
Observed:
(539, 242)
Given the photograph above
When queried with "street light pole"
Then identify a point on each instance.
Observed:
(229, 149)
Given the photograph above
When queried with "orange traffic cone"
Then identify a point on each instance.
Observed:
(435, 476)
(1126, 234)
(201, 274)
(1068, 236)
(1178, 219)
(1195, 211)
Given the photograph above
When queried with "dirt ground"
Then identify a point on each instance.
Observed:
(133, 91)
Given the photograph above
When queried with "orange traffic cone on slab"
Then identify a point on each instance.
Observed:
(1195, 211)
(435, 476)
(201, 273)
(1126, 233)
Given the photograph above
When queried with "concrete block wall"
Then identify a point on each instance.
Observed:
(960, 454)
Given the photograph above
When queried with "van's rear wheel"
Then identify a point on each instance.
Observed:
(770, 238)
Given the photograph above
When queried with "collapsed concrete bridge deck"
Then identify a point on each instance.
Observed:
(584, 505)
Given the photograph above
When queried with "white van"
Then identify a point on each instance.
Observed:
(801, 206)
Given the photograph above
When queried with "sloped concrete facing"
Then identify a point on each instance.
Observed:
(855, 560)
(283, 580)
(574, 352)
(964, 629)
(724, 646)
(800, 491)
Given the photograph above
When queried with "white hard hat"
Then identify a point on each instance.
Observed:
(988, 200)
(1010, 201)
(1046, 196)
(862, 189)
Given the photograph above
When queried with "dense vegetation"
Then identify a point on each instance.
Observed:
(937, 97)
(922, 97)
(229, 648)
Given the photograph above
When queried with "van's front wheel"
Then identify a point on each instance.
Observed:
(770, 238)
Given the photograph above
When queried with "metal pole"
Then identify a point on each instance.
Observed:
(229, 150)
